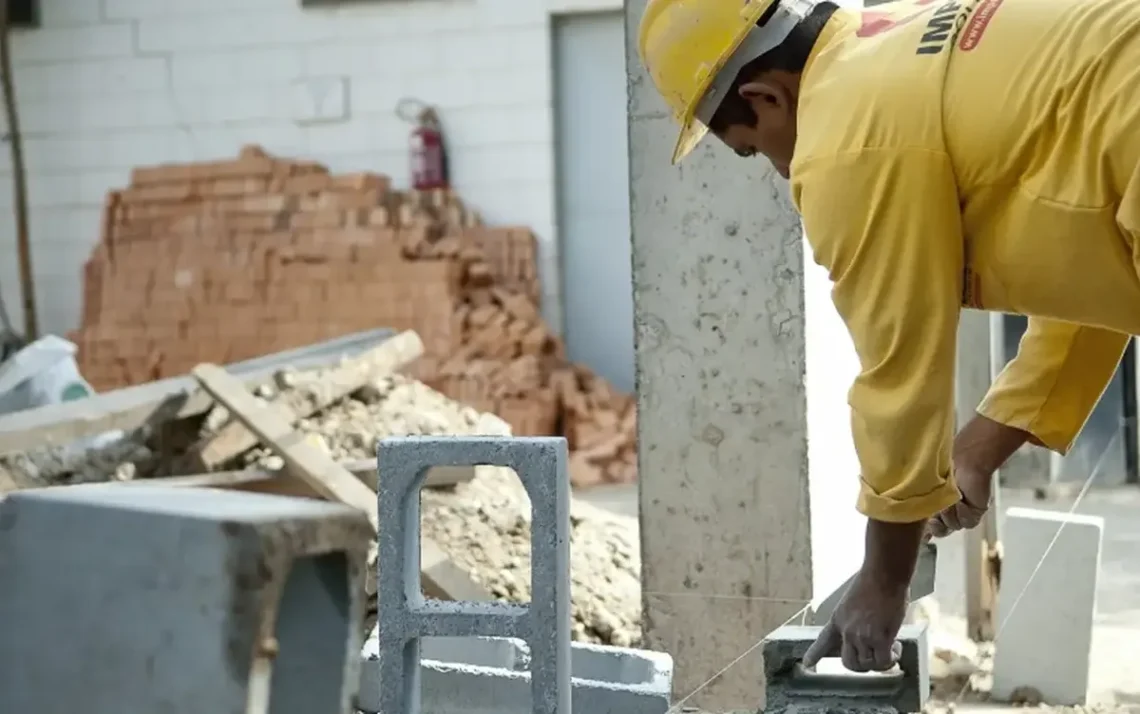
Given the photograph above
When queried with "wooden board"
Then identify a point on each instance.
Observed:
(442, 578)
(154, 402)
(234, 438)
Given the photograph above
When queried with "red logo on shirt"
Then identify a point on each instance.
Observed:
(876, 23)
(972, 34)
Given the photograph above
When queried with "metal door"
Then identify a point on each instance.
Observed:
(593, 193)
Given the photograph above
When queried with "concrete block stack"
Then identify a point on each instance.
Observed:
(227, 260)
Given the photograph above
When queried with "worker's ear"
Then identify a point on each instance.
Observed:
(769, 99)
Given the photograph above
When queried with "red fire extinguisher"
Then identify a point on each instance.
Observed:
(426, 150)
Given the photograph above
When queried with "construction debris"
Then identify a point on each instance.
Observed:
(480, 525)
(220, 261)
(143, 406)
(305, 460)
(234, 438)
(484, 525)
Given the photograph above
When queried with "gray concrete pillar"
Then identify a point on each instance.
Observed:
(722, 404)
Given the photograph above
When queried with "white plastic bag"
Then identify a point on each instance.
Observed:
(42, 373)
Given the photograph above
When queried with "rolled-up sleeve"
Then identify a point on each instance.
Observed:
(887, 227)
(1051, 387)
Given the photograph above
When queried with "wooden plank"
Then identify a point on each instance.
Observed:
(441, 576)
(983, 574)
(234, 439)
(154, 402)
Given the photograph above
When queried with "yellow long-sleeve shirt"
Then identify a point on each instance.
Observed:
(984, 154)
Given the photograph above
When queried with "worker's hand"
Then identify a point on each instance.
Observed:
(974, 487)
(863, 628)
(980, 448)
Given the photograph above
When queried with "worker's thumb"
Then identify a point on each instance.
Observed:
(828, 644)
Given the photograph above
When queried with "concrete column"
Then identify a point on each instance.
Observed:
(723, 334)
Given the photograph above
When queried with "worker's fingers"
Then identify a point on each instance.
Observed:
(826, 645)
(854, 655)
(936, 527)
(884, 655)
(960, 516)
(970, 515)
(950, 518)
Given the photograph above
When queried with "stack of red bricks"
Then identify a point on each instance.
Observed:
(228, 260)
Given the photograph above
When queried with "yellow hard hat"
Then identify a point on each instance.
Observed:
(693, 50)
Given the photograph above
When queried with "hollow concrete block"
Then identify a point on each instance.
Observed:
(405, 614)
(182, 601)
(1044, 637)
(792, 688)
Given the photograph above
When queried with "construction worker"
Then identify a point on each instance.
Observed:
(970, 153)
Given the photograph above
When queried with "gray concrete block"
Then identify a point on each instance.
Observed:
(159, 599)
(488, 676)
(1045, 625)
(499, 652)
(407, 616)
(791, 686)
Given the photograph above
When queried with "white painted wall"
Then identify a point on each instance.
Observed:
(106, 85)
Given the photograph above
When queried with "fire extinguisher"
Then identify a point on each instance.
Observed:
(427, 153)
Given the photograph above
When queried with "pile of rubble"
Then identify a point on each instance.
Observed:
(226, 260)
(483, 525)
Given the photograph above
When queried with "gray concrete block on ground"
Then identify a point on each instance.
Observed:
(789, 685)
(151, 599)
(488, 676)
(1045, 624)
(407, 616)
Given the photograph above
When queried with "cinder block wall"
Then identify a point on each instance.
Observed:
(105, 85)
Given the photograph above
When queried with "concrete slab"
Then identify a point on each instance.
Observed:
(155, 599)
(1116, 632)
(1047, 605)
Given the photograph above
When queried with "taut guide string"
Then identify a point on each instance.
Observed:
(807, 603)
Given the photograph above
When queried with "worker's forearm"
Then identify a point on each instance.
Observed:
(984, 444)
(891, 552)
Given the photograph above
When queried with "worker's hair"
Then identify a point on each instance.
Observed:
(790, 56)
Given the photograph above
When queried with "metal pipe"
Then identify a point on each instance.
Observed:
(19, 182)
